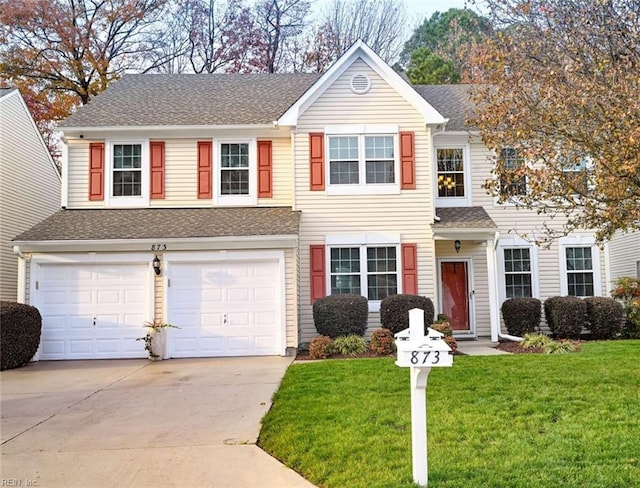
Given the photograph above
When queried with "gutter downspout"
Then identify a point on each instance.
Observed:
(22, 274)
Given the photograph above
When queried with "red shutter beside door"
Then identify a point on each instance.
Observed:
(265, 169)
(316, 160)
(96, 171)
(407, 161)
(409, 269)
(205, 179)
(318, 273)
(156, 148)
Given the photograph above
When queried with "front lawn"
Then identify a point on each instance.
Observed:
(570, 420)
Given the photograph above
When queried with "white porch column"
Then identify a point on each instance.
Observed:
(494, 305)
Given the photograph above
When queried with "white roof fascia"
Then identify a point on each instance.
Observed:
(360, 50)
(176, 244)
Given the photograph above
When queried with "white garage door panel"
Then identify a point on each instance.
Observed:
(224, 309)
(92, 311)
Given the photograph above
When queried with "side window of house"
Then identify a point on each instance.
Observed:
(371, 271)
(450, 164)
(579, 266)
(362, 159)
(127, 170)
(234, 168)
(512, 184)
(518, 272)
(576, 176)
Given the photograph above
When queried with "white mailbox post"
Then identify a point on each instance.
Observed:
(420, 353)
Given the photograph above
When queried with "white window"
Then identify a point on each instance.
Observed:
(513, 160)
(576, 176)
(371, 271)
(362, 159)
(518, 274)
(452, 173)
(579, 267)
(127, 178)
(235, 176)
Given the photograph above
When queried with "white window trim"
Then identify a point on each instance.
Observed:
(129, 201)
(580, 241)
(364, 241)
(453, 143)
(517, 243)
(236, 200)
(363, 188)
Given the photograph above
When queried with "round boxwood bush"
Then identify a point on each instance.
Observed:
(20, 327)
(394, 311)
(521, 315)
(605, 316)
(568, 316)
(341, 315)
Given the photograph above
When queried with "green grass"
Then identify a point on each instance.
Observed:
(570, 420)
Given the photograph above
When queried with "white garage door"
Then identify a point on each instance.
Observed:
(224, 309)
(92, 311)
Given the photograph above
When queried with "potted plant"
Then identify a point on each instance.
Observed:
(154, 339)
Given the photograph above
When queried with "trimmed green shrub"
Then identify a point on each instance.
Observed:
(568, 316)
(20, 328)
(521, 315)
(394, 311)
(320, 347)
(382, 342)
(341, 315)
(350, 345)
(548, 306)
(605, 316)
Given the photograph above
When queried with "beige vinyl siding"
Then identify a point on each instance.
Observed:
(78, 176)
(624, 255)
(408, 213)
(291, 277)
(29, 184)
(181, 175)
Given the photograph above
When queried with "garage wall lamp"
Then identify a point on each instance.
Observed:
(156, 265)
(457, 245)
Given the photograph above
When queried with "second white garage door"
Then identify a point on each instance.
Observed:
(224, 309)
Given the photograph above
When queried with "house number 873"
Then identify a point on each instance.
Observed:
(417, 359)
(158, 247)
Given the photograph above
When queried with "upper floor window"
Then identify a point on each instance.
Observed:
(362, 159)
(235, 175)
(575, 176)
(511, 184)
(127, 181)
(450, 172)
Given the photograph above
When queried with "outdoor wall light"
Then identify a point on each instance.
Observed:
(156, 265)
(457, 245)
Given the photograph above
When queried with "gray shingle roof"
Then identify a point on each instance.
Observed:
(463, 217)
(5, 91)
(452, 101)
(193, 99)
(164, 223)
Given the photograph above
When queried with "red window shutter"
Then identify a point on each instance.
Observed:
(409, 269)
(96, 171)
(318, 274)
(407, 161)
(264, 169)
(205, 180)
(316, 160)
(156, 148)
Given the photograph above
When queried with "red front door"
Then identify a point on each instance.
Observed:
(455, 294)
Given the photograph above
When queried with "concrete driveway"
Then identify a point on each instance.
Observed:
(135, 423)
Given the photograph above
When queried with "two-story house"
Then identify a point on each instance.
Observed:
(226, 204)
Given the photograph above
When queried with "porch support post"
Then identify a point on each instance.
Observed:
(494, 306)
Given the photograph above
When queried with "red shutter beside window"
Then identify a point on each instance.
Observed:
(205, 180)
(96, 171)
(265, 169)
(156, 148)
(407, 161)
(409, 269)
(318, 274)
(316, 160)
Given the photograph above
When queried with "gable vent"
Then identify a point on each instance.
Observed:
(360, 84)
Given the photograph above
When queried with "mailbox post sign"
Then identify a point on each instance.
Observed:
(420, 353)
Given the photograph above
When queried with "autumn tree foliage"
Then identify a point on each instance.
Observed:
(61, 53)
(558, 100)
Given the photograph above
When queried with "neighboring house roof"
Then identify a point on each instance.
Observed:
(173, 223)
(452, 101)
(463, 218)
(193, 100)
(6, 91)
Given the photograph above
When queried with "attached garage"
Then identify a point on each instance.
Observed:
(225, 305)
(92, 310)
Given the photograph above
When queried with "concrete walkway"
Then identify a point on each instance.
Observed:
(135, 423)
(480, 347)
